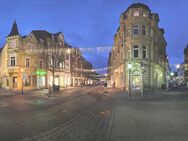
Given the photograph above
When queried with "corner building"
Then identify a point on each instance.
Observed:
(140, 44)
(39, 60)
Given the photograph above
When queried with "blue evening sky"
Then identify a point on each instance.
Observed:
(93, 23)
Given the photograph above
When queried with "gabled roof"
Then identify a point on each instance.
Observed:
(1, 49)
(41, 34)
(57, 34)
(14, 30)
(186, 50)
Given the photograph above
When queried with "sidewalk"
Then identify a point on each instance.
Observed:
(38, 92)
(7, 93)
(156, 117)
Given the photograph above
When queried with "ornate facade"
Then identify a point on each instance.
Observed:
(138, 58)
(38, 60)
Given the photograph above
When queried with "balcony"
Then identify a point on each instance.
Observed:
(13, 69)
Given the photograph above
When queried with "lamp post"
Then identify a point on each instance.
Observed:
(22, 71)
(178, 76)
(129, 67)
(142, 83)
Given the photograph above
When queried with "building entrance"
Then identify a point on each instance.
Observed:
(15, 82)
(136, 85)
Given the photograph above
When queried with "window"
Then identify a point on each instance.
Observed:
(135, 30)
(67, 56)
(143, 30)
(135, 51)
(12, 44)
(13, 61)
(27, 81)
(63, 64)
(40, 64)
(51, 62)
(144, 52)
(136, 13)
(27, 62)
(60, 65)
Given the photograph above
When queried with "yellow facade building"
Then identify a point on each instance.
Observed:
(38, 60)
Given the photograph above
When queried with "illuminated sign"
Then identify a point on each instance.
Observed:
(40, 72)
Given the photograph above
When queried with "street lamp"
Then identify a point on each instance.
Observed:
(177, 66)
(172, 73)
(22, 70)
(129, 67)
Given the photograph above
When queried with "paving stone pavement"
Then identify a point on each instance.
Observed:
(156, 117)
(95, 114)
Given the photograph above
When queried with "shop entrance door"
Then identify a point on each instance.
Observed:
(136, 85)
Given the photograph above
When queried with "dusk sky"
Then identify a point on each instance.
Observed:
(93, 23)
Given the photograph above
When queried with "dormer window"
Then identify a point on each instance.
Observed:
(136, 13)
(12, 44)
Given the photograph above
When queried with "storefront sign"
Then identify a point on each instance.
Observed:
(40, 73)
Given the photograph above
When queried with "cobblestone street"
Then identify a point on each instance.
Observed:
(80, 116)
(94, 114)
(156, 117)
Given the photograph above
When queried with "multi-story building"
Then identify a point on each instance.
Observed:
(138, 58)
(180, 74)
(77, 67)
(186, 63)
(82, 71)
(38, 60)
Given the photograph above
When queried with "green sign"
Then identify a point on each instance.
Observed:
(40, 73)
